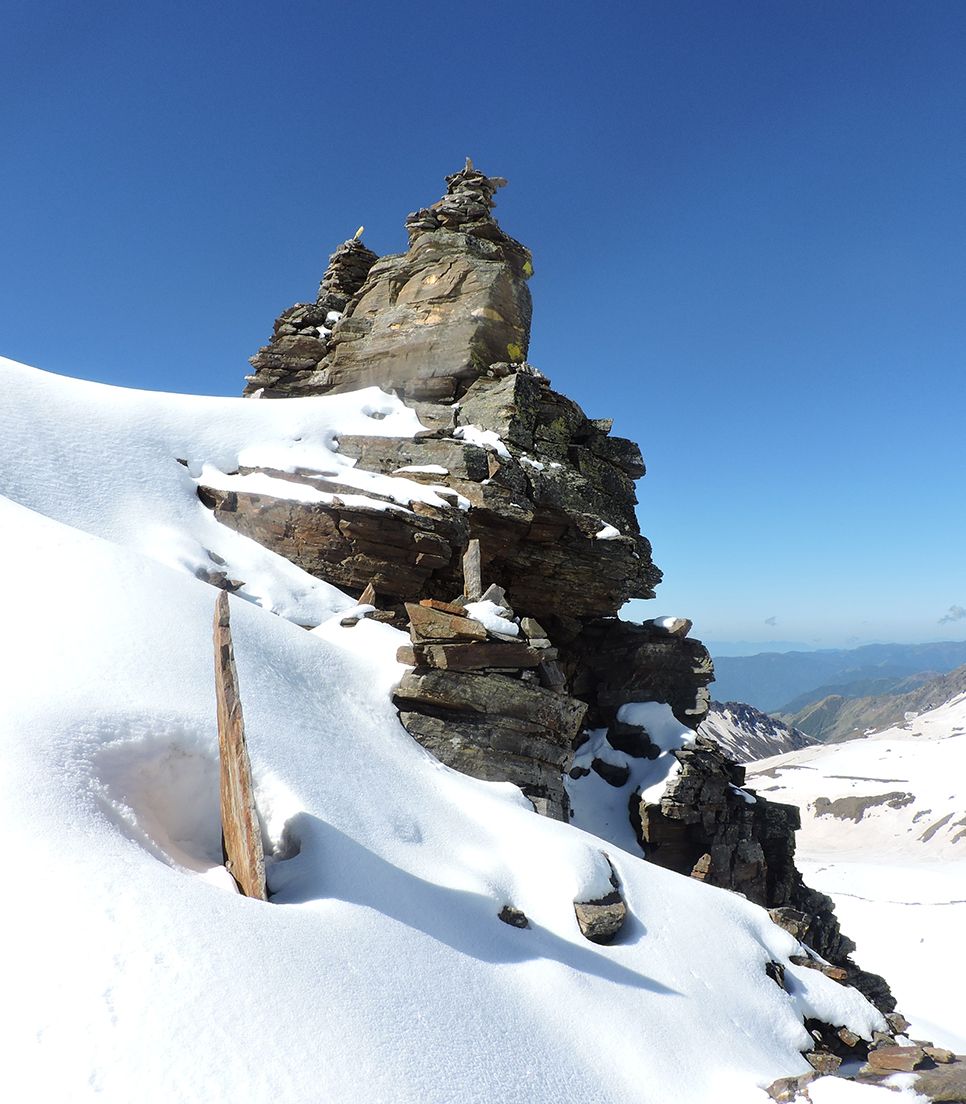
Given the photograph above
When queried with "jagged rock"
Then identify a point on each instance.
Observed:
(836, 973)
(614, 775)
(823, 1062)
(428, 624)
(620, 662)
(704, 826)
(300, 340)
(601, 919)
(788, 1090)
(515, 917)
(896, 1058)
(939, 1054)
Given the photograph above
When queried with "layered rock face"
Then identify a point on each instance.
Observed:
(423, 323)
(301, 339)
(544, 497)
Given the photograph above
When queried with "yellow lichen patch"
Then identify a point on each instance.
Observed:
(527, 269)
(488, 313)
(514, 352)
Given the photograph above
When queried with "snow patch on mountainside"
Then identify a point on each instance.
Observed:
(884, 833)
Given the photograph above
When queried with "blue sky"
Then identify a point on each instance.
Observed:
(747, 221)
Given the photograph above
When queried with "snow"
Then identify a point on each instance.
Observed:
(897, 874)
(379, 970)
(600, 807)
(836, 1090)
(428, 469)
(491, 617)
(485, 438)
(609, 532)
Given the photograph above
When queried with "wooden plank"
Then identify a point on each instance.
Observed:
(472, 572)
(241, 832)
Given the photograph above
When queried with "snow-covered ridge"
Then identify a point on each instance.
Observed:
(747, 734)
(380, 970)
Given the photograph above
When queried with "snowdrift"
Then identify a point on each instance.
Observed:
(379, 971)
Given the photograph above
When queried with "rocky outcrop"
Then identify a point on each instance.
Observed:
(301, 339)
(425, 323)
(489, 703)
(706, 825)
(535, 498)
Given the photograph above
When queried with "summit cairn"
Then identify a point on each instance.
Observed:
(424, 323)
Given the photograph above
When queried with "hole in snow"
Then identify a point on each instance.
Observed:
(162, 791)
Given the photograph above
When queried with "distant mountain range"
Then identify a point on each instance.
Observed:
(837, 717)
(786, 682)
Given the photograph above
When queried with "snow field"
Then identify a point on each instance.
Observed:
(379, 971)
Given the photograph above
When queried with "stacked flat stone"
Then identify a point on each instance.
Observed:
(301, 336)
(465, 207)
(489, 704)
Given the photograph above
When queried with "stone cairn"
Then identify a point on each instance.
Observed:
(551, 505)
(492, 701)
(300, 339)
(466, 206)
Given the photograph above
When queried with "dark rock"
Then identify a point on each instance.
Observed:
(615, 775)
(601, 919)
(514, 917)
(776, 971)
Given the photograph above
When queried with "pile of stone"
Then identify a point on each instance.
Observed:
(301, 337)
(935, 1073)
(489, 701)
(466, 205)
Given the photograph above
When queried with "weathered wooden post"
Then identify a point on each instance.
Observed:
(472, 572)
(241, 832)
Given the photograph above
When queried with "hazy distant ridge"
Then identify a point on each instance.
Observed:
(772, 680)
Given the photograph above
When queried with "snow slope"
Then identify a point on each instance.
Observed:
(884, 833)
(379, 971)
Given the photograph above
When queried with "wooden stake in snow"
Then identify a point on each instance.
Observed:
(241, 833)
(472, 572)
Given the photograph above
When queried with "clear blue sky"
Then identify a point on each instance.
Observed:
(748, 223)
